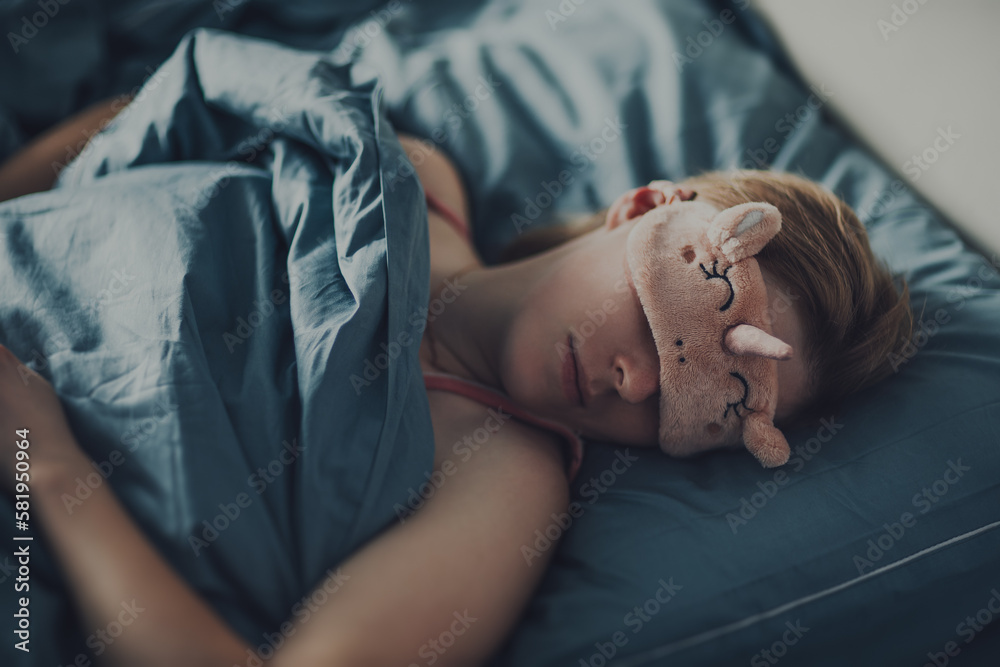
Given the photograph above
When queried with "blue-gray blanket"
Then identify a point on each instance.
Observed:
(208, 288)
(156, 298)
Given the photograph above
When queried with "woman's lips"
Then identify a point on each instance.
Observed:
(571, 386)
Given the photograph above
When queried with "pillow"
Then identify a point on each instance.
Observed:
(557, 109)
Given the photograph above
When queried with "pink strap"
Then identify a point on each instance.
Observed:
(483, 394)
(435, 204)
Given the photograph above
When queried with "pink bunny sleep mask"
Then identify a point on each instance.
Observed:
(703, 294)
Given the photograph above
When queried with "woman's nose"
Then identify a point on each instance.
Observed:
(638, 379)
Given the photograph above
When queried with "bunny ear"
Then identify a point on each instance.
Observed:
(741, 231)
(765, 441)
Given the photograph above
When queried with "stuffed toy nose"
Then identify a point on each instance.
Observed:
(746, 339)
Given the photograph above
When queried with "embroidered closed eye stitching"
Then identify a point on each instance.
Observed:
(735, 405)
(715, 274)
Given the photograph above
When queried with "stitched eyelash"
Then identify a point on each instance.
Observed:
(723, 276)
(735, 405)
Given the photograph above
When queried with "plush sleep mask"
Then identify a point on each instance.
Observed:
(703, 294)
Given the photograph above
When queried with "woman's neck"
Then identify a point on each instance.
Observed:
(480, 305)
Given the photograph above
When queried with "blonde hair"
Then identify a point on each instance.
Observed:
(854, 318)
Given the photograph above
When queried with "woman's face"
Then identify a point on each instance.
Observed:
(584, 321)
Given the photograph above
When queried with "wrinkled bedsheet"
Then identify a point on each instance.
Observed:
(207, 289)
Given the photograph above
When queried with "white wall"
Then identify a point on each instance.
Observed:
(899, 72)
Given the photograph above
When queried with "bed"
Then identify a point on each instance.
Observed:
(879, 542)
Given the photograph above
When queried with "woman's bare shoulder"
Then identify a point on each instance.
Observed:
(464, 428)
(450, 250)
(437, 174)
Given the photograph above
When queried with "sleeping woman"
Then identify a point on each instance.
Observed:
(572, 337)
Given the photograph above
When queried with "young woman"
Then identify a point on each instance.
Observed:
(456, 565)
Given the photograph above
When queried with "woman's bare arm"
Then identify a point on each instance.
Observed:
(455, 571)
(115, 574)
(459, 558)
(113, 569)
(35, 167)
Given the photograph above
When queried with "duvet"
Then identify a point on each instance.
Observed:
(200, 288)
